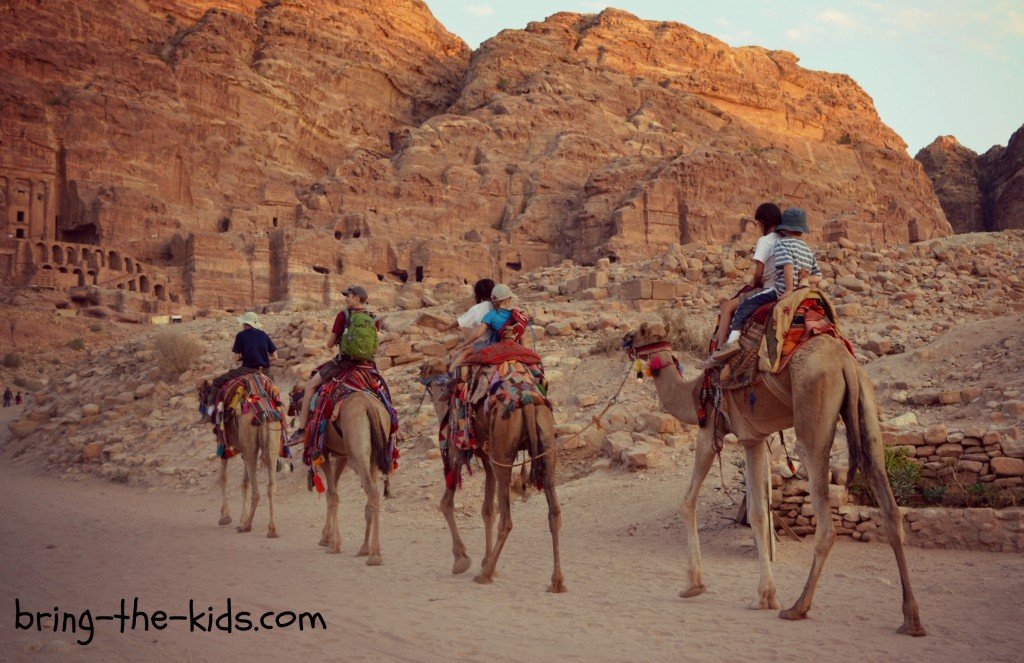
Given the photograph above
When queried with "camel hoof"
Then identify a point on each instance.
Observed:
(272, 534)
(241, 529)
(557, 587)
(334, 550)
(690, 592)
(374, 560)
(913, 630)
(325, 542)
(482, 580)
(765, 604)
(224, 520)
(792, 615)
(461, 565)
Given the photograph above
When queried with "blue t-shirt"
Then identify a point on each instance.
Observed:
(255, 347)
(495, 320)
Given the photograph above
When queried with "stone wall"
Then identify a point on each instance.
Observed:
(959, 459)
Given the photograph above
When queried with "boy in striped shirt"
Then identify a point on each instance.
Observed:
(794, 261)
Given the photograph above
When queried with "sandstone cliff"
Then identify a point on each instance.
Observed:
(978, 193)
(273, 150)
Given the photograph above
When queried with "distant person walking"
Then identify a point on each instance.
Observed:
(8, 397)
(17, 398)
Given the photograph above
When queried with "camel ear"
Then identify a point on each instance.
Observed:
(668, 327)
(643, 328)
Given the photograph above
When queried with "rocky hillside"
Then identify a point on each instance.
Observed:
(936, 324)
(365, 139)
(978, 192)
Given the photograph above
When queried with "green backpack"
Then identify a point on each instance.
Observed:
(359, 340)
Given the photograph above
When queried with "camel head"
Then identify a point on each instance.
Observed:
(431, 369)
(649, 333)
(434, 377)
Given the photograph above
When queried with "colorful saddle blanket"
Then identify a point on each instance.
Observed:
(774, 333)
(501, 352)
(362, 377)
(251, 393)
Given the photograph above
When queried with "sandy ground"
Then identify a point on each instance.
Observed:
(86, 545)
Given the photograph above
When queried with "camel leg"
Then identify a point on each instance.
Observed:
(703, 458)
(462, 561)
(487, 513)
(894, 531)
(332, 473)
(824, 532)
(269, 436)
(759, 516)
(245, 495)
(250, 480)
(371, 537)
(225, 515)
(503, 476)
(554, 524)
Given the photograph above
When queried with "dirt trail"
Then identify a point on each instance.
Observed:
(79, 545)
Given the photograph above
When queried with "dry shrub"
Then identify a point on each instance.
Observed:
(12, 360)
(77, 343)
(178, 350)
(689, 332)
(28, 385)
(606, 343)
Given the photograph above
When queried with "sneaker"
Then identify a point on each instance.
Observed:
(298, 435)
(725, 352)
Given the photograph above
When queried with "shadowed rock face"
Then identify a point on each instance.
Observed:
(310, 141)
(978, 193)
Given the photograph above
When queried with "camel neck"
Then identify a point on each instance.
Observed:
(675, 393)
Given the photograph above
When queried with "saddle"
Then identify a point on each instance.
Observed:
(253, 392)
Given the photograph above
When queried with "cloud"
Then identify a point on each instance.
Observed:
(836, 18)
(1014, 23)
(480, 10)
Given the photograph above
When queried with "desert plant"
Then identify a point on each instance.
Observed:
(606, 343)
(77, 343)
(688, 333)
(178, 350)
(12, 360)
(27, 385)
(903, 473)
(95, 327)
(934, 494)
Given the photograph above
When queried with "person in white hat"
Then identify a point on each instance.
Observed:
(252, 347)
(488, 331)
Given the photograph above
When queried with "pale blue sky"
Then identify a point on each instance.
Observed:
(933, 67)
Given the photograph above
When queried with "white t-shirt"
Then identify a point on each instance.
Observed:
(764, 253)
(475, 315)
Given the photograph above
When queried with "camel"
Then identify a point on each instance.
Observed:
(529, 428)
(827, 383)
(255, 442)
(358, 435)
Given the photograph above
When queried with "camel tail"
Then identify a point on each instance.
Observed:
(860, 414)
(379, 444)
(536, 445)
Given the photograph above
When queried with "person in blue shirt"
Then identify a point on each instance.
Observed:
(252, 347)
(488, 331)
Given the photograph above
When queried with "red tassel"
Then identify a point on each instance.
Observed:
(318, 483)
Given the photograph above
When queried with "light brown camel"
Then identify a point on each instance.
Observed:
(826, 382)
(530, 428)
(256, 444)
(357, 437)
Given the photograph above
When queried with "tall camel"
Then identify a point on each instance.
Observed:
(827, 383)
(358, 435)
(530, 428)
(255, 442)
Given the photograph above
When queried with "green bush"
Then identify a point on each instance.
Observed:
(934, 494)
(903, 473)
(77, 343)
(12, 360)
(95, 327)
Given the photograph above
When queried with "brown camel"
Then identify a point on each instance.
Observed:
(826, 382)
(256, 443)
(531, 429)
(357, 437)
